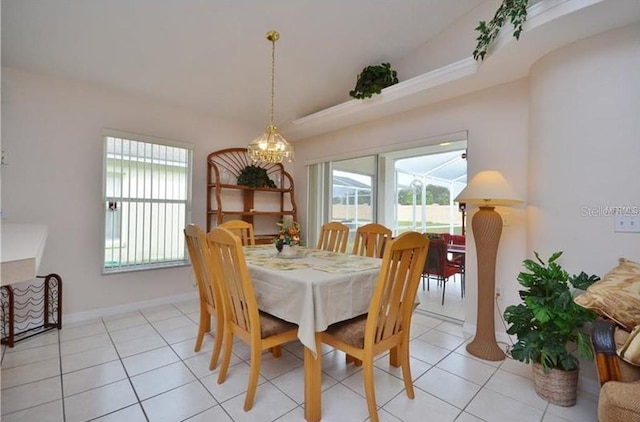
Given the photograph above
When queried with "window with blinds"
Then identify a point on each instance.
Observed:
(147, 201)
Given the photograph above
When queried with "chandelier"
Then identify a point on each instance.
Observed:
(271, 147)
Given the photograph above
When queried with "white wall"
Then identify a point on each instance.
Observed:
(585, 149)
(455, 43)
(51, 132)
(584, 154)
(497, 125)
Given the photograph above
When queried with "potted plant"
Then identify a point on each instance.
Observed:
(288, 238)
(548, 327)
(255, 177)
(373, 79)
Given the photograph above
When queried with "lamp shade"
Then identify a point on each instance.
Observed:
(488, 188)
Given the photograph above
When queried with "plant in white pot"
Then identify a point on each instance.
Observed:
(548, 327)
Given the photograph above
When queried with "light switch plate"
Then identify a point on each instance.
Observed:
(627, 224)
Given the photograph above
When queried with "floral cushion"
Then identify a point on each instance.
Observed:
(630, 350)
(617, 295)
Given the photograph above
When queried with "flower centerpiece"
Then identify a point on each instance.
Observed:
(289, 236)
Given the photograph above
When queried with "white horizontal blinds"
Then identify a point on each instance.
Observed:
(147, 198)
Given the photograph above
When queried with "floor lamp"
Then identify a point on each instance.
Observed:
(487, 189)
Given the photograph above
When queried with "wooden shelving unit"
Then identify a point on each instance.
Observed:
(227, 200)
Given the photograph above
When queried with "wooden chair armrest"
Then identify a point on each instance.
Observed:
(604, 345)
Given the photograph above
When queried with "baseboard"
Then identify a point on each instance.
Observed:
(122, 309)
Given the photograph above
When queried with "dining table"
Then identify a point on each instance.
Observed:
(313, 289)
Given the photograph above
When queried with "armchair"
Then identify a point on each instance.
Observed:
(620, 381)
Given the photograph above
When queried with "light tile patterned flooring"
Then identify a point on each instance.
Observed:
(141, 366)
(431, 299)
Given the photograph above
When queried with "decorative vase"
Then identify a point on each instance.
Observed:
(288, 250)
(558, 387)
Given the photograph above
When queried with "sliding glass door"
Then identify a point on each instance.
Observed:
(425, 182)
(410, 188)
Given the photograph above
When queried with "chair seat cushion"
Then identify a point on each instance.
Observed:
(350, 331)
(618, 402)
(270, 325)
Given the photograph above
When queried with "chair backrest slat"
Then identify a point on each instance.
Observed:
(370, 240)
(238, 296)
(202, 264)
(393, 300)
(242, 229)
(333, 237)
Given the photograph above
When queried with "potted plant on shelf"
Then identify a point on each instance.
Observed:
(548, 327)
(373, 79)
(255, 177)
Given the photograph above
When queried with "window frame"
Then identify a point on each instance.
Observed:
(188, 183)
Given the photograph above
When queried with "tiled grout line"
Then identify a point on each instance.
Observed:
(64, 415)
(125, 372)
(190, 370)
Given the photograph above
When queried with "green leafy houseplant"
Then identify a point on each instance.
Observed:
(515, 11)
(255, 177)
(373, 79)
(549, 319)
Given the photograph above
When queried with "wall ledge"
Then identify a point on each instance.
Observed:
(550, 25)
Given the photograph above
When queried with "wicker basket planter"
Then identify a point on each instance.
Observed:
(558, 387)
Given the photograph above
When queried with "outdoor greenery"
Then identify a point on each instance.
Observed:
(433, 195)
(513, 10)
(549, 321)
(373, 79)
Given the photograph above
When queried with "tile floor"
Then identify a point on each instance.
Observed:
(141, 366)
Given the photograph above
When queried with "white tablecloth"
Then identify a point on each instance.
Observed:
(313, 291)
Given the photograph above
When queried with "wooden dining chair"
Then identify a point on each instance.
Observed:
(242, 318)
(333, 237)
(210, 298)
(370, 240)
(242, 229)
(387, 323)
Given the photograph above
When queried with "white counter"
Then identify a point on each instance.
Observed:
(22, 247)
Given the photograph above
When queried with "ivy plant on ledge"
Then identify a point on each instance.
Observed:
(373, 79)
(515, 11)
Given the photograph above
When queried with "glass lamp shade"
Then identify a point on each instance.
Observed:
(270, 147)
(488, 188)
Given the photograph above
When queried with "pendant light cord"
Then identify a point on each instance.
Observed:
(273, 37)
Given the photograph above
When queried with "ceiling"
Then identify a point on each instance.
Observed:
(212, 55)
